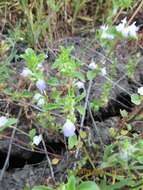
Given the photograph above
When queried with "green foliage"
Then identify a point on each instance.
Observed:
(73, 184)
(66, 64)
(37, 23)
(72, 141)
(122, 3)
(32, 60)
(135, 98)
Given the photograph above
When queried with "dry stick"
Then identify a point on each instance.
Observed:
(136, 11)
(83, 117)
(118, 14)
(95, 126)
(9, 148)
(48, 159)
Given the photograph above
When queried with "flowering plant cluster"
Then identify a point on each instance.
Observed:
(122, 28)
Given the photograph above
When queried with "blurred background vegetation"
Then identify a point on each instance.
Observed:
(38, 22)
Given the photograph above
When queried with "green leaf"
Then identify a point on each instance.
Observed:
(71, 185)
(80, 109)
(124, 113)
(88, 185)
(72, 141)
(80, 97)
(9, 123)
(80, 76)
(91, 75)
(41, 187)
(135, 98)
(32, 133)
(53, 81)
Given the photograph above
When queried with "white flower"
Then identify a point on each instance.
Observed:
(103, 71)
(41, 102)
(104, 28)
(105, 34)
(127, 31)
(3, 121)
(41, 85)
(69, 129)
(37, 139)
(40, 66)
(37, 96)
(26, 72)
(123, 28)
(140, 91)
(80, 85)
(92, 65)
(133, 30)
(124, 21)
(40, 99)
(47, 55)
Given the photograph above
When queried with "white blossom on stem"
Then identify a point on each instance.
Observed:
(3, 121)
(69, 129)
(80, 85)
(103, 71)
(26, 72)
(41, 85)
(39, 99)
(140, 91)
(37, 139)
(92, 65)
(127, 31)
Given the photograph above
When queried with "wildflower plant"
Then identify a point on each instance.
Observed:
(69, 77)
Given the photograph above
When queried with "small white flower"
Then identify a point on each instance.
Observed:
(37, 96)
(124, 21)
(47, 55)
(103, 71)
(41, 85)
(133, 30)
(3, 121)
(123, 28)
(140, 91)
(69, 129)
(39, 99)
(37, 139)
(40, 66)
(41, 102)
(80, 85)
(127, 31)
(92, 65)
(104, 28)
(26, 72)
